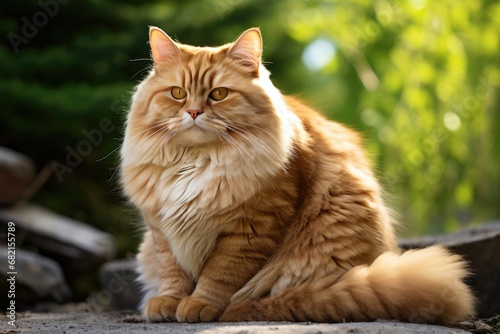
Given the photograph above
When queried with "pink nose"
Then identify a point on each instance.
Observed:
(194, 113)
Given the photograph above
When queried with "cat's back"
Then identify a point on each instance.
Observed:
(327, 136)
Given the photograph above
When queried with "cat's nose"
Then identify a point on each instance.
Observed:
(194, 113)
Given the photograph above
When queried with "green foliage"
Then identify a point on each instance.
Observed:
(430, 75)
(419, 79)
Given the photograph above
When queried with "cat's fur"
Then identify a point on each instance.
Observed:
(258, 208)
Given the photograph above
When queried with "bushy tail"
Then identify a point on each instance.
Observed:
(424, 286)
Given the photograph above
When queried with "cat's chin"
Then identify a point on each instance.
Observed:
(196, 136)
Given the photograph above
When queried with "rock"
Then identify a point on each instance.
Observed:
(37, 278)
(76, 246)
(481, 248)
(123, 323)
(120, 290)
(17, 173)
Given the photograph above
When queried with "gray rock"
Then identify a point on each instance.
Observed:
(36, 278)
(119, 323)
(120, 291)
(76, 246)
(17, 173)
(481, 248)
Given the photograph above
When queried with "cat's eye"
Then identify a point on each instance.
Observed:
(219, 94)
(178, 93)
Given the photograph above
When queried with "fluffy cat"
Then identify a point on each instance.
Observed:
(257, 207)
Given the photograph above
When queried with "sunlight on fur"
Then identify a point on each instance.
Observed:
(257, 207)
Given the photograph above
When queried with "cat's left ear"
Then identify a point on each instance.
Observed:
(163, 48)
(247, 50)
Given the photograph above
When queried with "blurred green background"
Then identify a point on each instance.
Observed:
(420, 79)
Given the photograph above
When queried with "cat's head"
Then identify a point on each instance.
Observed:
(205, 97)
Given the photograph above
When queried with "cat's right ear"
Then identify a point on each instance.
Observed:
(163, 48)
(247, 50)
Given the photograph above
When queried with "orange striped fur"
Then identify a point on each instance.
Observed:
(256, 207)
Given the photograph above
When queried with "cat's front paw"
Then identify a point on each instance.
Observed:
(160, 309)
(195, 309)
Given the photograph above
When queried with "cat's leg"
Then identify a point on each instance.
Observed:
(236, 258)
(166, 283)
(341, 231)
(424, 285)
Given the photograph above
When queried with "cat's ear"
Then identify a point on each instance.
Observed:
(163, 48)
(247, 50)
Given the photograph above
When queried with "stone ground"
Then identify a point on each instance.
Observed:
(80, 318)
(130, 323)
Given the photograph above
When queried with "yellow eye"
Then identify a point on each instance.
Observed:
(218, 94)
(178, 93)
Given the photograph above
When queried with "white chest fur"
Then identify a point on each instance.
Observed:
(194, 193)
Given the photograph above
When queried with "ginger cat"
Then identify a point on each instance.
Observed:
(257, 207)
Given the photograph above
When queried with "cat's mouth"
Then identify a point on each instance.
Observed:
(195, 125)
(196, 133)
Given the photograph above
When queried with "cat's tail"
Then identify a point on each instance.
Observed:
(423, 286)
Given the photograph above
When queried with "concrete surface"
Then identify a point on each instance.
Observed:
(130, 323)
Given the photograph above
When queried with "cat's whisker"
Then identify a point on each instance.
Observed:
(109, 154)
(243, 131)
(140, 71)
(241, 150)
(115, 169)
(270, 157)
(150, 136)
(160, 126)
(141, 59)
(272, 136)
(259, 143)
(169, 135)
(239, 130)
(111, 178)
(218, 134)
(269, 150)
(155, 145)
(237, 146)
